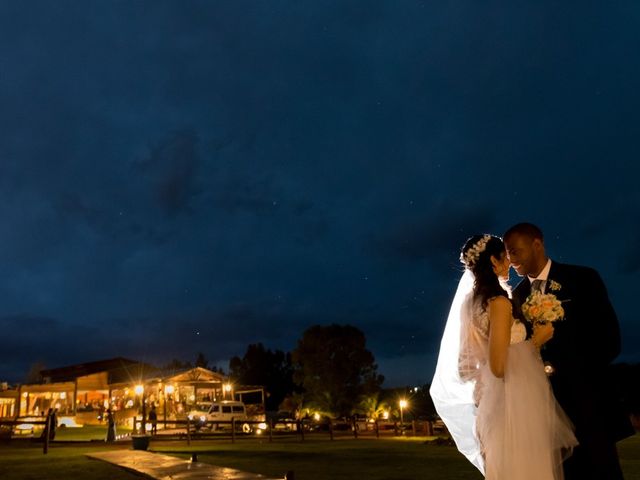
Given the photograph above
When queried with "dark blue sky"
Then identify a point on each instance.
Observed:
(195, 176)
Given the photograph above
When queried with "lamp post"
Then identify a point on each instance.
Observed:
(403, 405)
(168, 390)
(139, 389)
(227, 390)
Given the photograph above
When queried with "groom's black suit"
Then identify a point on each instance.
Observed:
(581, 350)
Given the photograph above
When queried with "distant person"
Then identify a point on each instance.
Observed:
(47, 423)
(53, 424)
(153, 419)
(578, 356)
(490, 388)
(111, 426)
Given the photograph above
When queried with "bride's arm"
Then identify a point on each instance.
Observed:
(499, 334)
(542, 334)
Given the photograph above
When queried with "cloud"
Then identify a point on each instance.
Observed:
(44, 339)
(443, 230)
(409, 370)
(628, 258)
(171, 169)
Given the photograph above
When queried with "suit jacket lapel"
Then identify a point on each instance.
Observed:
(555, 274)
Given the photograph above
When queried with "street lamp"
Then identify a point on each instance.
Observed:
(168, 390)
(227, 389)
(403, 405)
(139, 390)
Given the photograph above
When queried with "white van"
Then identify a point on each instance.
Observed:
(225, 410)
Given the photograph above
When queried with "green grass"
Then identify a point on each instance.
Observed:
(24, 460)
(370, 459)
(86, 433)
(317, 458)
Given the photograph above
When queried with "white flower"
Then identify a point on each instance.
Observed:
(554, 286)
(471, 256)
(542, 308)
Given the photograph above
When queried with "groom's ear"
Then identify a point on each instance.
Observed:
(537, 244)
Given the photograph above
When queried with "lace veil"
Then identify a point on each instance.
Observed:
(454, 381)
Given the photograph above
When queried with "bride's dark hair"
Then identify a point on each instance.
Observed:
(486, 284)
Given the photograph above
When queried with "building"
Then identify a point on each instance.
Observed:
(81, 393)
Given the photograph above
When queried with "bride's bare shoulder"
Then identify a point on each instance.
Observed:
(499, 302)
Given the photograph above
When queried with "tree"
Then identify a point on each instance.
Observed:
(333, 366)
(420, 404)
(260, 366)
(201, 361)
(34, 375)
(176, 365)
(372, 406)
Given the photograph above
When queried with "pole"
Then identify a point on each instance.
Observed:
(143, 425)
(47, 428)
(233, 429)
(164, 407)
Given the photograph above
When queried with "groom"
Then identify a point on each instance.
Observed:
(577, 358)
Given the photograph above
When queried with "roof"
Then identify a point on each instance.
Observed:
(119, 370)
(195, 374)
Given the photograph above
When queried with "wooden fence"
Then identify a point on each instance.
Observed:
(185, 429)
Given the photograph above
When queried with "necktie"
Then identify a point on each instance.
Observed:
(536, 286)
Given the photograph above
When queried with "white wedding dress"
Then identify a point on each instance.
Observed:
(522, 431)
(511, 428)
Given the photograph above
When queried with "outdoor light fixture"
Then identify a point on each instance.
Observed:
(403, 405)
(139, 389)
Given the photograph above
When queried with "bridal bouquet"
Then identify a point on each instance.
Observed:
(540, 308)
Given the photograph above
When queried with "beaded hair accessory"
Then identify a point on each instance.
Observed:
(471, 256)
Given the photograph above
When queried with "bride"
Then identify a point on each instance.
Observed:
(489, 386)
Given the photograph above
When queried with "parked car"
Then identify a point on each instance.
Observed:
(199, 414)
(207, 416)
(283, 420)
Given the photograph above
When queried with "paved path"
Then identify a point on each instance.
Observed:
(166, 467)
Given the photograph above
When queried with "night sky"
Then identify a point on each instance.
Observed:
(195, 176)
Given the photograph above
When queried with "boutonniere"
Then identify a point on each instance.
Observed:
(554, 286)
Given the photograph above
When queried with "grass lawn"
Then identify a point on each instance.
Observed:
(369, 459)
(24, 460)
(315, 459)
(87, 433)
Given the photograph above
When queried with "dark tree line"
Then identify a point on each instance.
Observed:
(329, 371)
(260, 366)
(176, 365)
(334, 368)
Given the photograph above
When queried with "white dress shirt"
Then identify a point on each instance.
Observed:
(543, 276)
